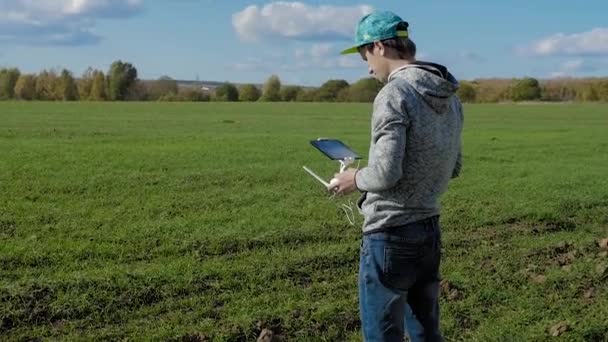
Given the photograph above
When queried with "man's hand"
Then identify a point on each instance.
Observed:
(345, 183)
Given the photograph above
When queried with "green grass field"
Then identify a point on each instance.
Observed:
(196, 222)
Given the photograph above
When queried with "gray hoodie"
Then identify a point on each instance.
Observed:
(415, 147)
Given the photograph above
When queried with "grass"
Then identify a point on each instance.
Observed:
(195, 222)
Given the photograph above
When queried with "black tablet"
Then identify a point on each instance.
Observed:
(334, 149)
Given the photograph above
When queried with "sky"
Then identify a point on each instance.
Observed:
(247, 41)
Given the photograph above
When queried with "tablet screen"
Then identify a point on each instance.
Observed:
(334, 149)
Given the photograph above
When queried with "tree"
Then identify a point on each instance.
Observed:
(25, 88)
(330, 89)
(120, 78)
(169, 98)
(194, 95)
(249, 92)
(290, 93)
(602, 90)
(364, 90)
(227, 92)
(567, 92)
(343, 95)
(551, 90)
(527, 89)
(466, 92)
(272, 89)
(8, 80)
(138, 91)
(492, 90)
(98, 88)
(46, 86)
(307, 95)
(165, 85)
(588, 93)
(66, 86)
(84, 84)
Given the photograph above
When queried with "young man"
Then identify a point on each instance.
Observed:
(415, 150)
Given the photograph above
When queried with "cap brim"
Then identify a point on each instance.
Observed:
(353, 49)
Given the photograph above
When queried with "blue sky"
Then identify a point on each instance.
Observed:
(246, 41)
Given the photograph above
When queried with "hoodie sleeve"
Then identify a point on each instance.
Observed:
(385, 164)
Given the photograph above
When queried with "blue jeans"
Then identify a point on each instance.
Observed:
(399, 282)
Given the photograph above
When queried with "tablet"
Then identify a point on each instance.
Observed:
(334, 149)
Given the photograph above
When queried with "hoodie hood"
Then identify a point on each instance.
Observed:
(432, 81)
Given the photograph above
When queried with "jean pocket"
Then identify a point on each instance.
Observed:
(400, 265)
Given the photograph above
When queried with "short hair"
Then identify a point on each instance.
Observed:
(404, 46)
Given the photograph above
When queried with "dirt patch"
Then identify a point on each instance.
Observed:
(450, 291)
(267, 335)
(552, 226)
(562, 254)
(566, 258)
(603, 243)
(489, 264)
(559, 329)
(269, 330)
(538, 278)
(59, 324)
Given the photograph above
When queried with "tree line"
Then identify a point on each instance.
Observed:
(121, 83)
(531, 89)
(363, 90)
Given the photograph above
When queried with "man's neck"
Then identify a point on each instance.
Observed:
(399, 63)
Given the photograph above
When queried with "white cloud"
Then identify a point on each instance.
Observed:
(49, 22)
(298, 21)
(594, 42)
